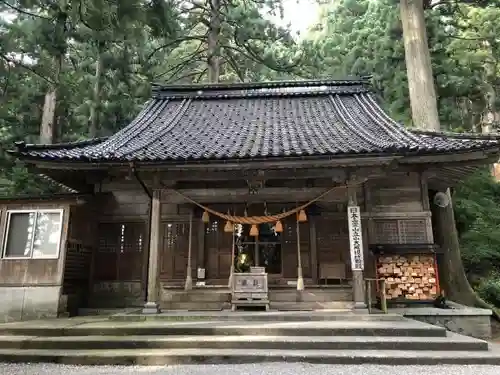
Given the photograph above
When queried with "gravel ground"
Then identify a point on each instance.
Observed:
(252, 369)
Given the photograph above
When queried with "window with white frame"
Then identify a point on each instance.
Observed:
(33, 234)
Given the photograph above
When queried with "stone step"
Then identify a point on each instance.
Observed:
(316, 295)
(195, 306)
(261, 316)
(87, 311)
(452, 342)
(237, 356)
(204, 328)
(196, 295)
(310, 306)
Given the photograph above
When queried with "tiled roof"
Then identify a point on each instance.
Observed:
(242, 121)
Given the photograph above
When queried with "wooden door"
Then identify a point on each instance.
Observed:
(217, 250)
(174, 250)
(332, 241)
(289, 238)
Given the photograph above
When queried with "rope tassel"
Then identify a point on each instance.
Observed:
(255, 220)
(254, 231)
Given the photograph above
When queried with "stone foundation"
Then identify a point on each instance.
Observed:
(25, 303)
(460, 319)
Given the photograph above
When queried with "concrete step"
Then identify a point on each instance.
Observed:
(452, 342)
(237, 356)
(204, 328)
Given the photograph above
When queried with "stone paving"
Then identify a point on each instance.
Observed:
(250, 369)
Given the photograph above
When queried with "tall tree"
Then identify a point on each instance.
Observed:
(423, 100)
(425, 116)
(220, 39)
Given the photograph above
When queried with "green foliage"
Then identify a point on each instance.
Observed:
(357, 38)
(489, 289)
(477, 212)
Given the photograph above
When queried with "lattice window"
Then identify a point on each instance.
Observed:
(412, 231)
(386, 231)
(400, 231)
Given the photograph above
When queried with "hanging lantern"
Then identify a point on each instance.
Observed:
(278, 228)
(302, 216)
(205, 217)
(254, 231)
(228, 228)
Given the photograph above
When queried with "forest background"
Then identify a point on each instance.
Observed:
(74, 69)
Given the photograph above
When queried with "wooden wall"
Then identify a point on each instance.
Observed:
(395, 209)
(32, 272)
(399, 208)
(119, 262)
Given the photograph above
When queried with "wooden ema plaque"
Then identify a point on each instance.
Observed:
(411, 277)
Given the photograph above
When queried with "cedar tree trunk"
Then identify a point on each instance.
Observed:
(213, 49)
(48, 127)
(96, 99)
(418, 65)
(425, 116)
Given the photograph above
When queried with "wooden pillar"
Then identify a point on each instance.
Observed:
(231, 270)
(201, 247)
(300, 278)
(188, 285)
(356, 248)
(314, 249)
(152, 306)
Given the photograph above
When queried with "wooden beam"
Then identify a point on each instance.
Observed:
(243, 195)
(446, 158)
(335, 174)
(264, 163)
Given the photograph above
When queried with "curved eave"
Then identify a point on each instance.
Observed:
(481, 155)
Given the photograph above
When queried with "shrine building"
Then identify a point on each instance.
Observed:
(308, 184)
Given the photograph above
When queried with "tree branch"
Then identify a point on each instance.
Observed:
(204, 71)
(21, 65)
(19, 10)
(182, 63)
(7, 81)
(82, 19)
(234, 65)
(174, 42)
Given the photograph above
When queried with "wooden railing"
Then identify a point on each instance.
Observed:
(380, 287)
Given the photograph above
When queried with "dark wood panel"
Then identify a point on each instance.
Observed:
(119, 255)
(217, 250)
(174, 250)
(289, 246)
(332, 240)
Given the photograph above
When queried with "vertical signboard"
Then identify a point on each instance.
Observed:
(355, 238)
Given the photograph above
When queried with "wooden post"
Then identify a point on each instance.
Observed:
(356, 249)
(383, 299)
(201, 246)
(151, 306)
(231, 272)
(300, 279)
(369, 295)
(189, 279)
(314, 249)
